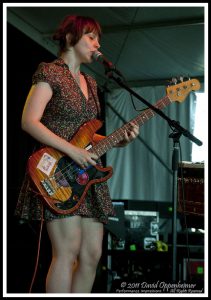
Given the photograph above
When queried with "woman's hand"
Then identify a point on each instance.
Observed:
(82, 157)
(130, 135)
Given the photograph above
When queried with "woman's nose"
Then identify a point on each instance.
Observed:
(97, 45)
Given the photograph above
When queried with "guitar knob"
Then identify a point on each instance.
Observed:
(75, 198)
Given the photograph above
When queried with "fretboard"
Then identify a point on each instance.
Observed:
(118, 135)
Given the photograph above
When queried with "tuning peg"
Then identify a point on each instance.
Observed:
(174, 80)
(187, 77)
(181, 78)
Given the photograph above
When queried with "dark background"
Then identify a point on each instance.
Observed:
(23, 57)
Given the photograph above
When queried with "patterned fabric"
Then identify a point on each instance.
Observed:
(64, 114)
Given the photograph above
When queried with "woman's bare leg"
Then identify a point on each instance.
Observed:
(89, 256)
(65, 236)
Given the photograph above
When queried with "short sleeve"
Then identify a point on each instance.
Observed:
(43, 74)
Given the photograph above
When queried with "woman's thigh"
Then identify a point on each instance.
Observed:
(91, 238)
(65, 234)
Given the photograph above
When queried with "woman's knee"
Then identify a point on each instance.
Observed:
(67, 254)
(65, 236)
(92, 238)
(91, 256)
(70, 248)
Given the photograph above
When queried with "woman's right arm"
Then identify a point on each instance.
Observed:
(38, 97)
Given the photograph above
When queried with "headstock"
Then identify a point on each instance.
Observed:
(178, 92)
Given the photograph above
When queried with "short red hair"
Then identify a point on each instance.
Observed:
(77, 26)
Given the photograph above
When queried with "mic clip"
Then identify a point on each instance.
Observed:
(111, 68)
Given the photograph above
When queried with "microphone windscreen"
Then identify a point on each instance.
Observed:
(97, 56)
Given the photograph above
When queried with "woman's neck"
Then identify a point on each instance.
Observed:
(70, 60)
(74, 67)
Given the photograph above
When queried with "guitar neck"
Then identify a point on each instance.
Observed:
(113, 139)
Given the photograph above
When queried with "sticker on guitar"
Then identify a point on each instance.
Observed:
(46, 163)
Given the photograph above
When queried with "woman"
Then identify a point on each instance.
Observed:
(61, 99)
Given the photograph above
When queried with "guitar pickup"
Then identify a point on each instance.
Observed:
(48, 187)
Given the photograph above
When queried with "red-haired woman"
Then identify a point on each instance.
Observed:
(61, 99)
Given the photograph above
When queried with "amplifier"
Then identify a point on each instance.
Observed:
(142, 229)
(191, 180)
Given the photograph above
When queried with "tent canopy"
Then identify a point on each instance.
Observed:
(148, 44)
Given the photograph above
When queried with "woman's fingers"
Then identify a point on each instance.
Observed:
(88, 159)
(132, 133)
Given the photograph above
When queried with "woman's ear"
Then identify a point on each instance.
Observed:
(68, 39)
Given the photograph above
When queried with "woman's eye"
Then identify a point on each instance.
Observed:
(93, 37)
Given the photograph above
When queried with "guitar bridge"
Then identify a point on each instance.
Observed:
(48, 187)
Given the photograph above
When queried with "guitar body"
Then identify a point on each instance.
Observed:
(62, 184)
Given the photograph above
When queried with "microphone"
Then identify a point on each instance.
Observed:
(98, 56)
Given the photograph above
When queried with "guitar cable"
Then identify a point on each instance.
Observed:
(38, 250)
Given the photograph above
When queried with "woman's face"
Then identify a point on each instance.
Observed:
(86, 46)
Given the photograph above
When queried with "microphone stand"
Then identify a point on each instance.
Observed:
(177, 132)
(175, 159)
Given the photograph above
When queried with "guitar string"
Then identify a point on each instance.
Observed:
(60, 175)
(64, 171)
(165, 100)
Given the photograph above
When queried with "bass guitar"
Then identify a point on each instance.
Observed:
(61, 183)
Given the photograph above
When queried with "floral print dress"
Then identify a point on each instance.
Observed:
(67, 110)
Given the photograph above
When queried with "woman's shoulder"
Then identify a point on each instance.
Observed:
(49, 65)
(46, 69)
